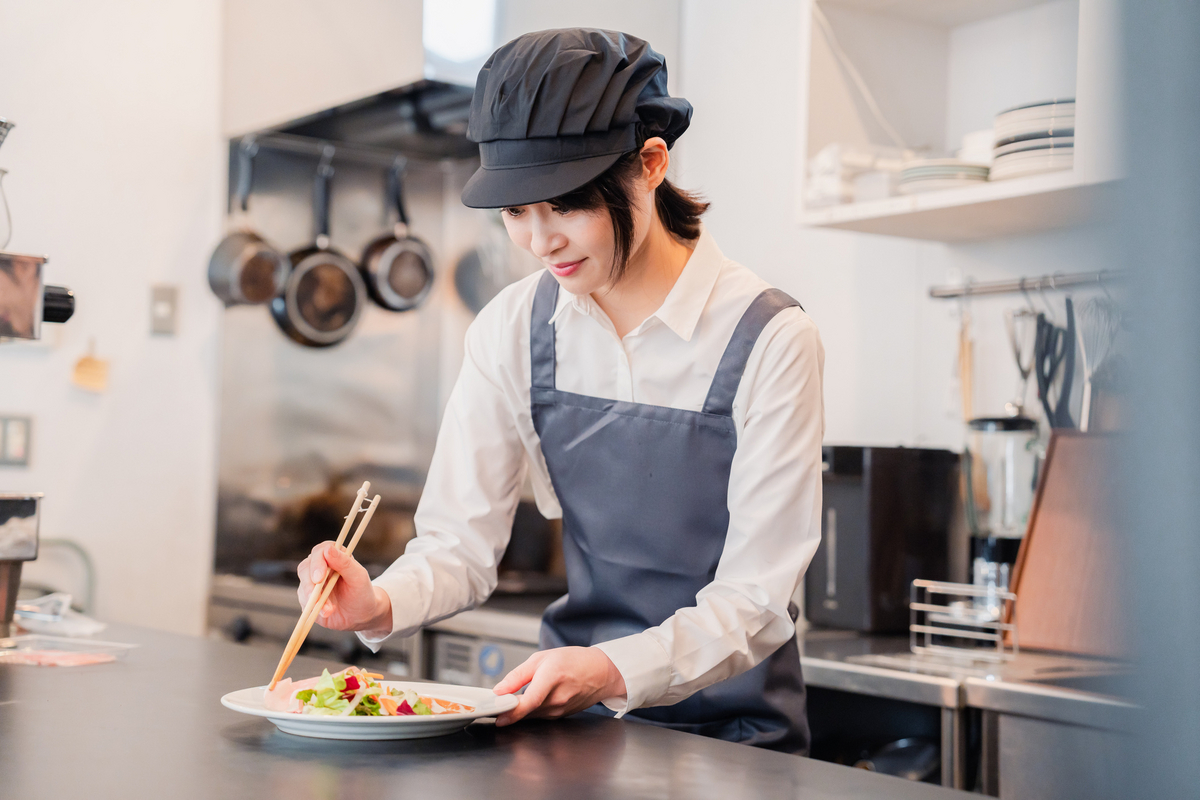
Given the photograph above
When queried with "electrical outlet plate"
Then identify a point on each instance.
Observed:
(15, 436)
(164, 309)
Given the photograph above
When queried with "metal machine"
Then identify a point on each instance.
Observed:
(25, 303)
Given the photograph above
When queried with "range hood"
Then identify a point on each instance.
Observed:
(423, 120)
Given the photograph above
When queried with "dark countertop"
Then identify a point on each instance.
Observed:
(152, 726)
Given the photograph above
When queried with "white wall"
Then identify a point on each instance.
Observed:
(657, 22)
(116, 174)
(284, 59)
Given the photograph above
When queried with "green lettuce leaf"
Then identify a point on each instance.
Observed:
(325, 698)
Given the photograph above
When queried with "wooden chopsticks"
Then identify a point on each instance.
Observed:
(316, 600)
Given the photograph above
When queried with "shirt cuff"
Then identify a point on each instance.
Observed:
(404, 593)
(645, 667)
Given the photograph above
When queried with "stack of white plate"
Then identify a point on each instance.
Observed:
(1039, 137)
(932, 174)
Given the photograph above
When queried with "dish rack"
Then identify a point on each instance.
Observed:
(962, 621)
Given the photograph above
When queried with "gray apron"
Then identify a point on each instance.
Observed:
(643, 491)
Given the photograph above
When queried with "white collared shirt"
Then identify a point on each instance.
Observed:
(487, 445)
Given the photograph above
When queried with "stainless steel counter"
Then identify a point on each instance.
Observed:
(1036, 696)
(152, 726)
(1038, 686)
(1052, 736)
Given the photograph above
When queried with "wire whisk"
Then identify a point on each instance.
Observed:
(1099, 323)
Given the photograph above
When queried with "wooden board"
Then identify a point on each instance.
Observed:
(1068, 577)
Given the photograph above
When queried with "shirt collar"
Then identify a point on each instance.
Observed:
(685, 302)
(681, 309)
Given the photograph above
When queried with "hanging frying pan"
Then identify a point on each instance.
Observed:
(244, 269)
(324, 295)
(397, 268)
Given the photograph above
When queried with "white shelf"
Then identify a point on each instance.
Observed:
(947, 13)
(942, 68)
(1020, 205)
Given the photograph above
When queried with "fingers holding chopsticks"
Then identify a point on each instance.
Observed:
(355, 603)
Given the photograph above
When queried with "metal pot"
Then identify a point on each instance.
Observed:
(485, 270)
(324, 295)
(245, 269)
(397, 268)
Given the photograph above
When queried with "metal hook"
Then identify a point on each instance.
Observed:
(395, 194)
(247, 150)
(325, 167)
(1045, 302)
(321, 195)
(1028, 299)
(963, 311)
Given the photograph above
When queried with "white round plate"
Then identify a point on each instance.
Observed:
(1052, 108)
(1016, 165)
(1057, 101)
(1019, 127)
(1033, 127)
(940, 163)
(924, 174)
(1055, 143)
(486, 704)
(1027, 136)
(937, 184)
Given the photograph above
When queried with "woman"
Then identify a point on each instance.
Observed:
(664, 401)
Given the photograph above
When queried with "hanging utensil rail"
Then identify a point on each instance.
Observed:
(344, 151)
(1059, 281)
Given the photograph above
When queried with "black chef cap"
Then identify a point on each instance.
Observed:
(554, 109)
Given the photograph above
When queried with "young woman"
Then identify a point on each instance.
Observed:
(664, 401)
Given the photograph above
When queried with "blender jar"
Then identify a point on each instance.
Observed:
(1000, 469)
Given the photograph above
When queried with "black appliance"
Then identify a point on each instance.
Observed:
(886, 519)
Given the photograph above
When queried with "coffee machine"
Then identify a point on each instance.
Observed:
(886, 519)
(25, 303)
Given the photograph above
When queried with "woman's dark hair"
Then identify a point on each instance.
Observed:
(679, 210)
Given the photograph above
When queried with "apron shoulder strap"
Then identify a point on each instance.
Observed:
(733, 363)
(541, 333)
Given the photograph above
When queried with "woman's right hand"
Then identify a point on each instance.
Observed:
(355, 604)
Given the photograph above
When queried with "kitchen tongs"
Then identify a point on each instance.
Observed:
(316, 600)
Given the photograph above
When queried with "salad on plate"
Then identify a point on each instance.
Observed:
(354, 692)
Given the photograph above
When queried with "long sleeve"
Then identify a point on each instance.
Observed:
(464, 519)
(741, 617)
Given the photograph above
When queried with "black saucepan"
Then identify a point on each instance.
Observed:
(245, 269)
(397, 267)
(324, 295)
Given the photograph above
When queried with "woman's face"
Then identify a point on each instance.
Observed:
(577, 246)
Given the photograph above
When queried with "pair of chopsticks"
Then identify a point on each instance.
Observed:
(316, 600)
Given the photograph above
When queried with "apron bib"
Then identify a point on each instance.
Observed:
(643, 491)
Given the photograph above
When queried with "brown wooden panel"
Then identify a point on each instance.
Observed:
(1068, 577)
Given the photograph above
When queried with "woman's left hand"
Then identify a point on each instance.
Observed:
(561, 682)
